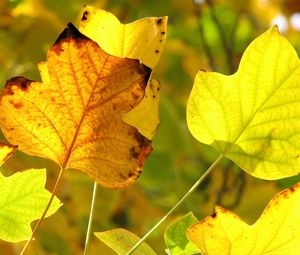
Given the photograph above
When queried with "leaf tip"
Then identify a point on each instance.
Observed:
(69, 32)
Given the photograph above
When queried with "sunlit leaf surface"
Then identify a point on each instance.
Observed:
(23, 200)
(253, 117)
(142, 39)
(276, 232)
(75, 116)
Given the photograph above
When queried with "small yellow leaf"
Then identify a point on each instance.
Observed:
(142, 39)
(145, 116)
(277, 231)
(6, 150)
(75, 116)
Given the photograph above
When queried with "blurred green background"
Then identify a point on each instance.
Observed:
(209, 35)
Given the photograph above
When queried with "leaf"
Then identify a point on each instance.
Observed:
(75, 116)
(145, 116)
(277, 231)
(121, 241)
(253, 117)
(176, 239)
(23, 200)
(6, 150)
(142, 39)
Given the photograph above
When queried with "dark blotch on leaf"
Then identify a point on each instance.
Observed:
(84, 16)
(70, 32)
(19, 81)
(17, 105)
(130, 174)
(158, 22)
(214, 215)
(163, 33)
(134, 153)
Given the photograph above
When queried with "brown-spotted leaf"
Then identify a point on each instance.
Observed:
(75, 116)
(276, 232)
(6, 150)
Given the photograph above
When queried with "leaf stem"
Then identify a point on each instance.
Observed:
(190, 191)
(89, 229)
(45, 211)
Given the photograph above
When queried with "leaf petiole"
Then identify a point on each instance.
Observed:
(89, 228)
(45, 211)
(190, 191)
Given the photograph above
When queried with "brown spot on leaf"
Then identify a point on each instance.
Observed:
(158, 22)
(163, 33)
(292, 189)
(122, 176)
(17, 105)
(20, 82)
(214, 215)
(134, 153)
(156, 51)
(131, 174)
(84, 16)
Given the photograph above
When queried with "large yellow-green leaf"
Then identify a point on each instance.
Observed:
(142, 39)
(253, 116)
(277, 232)
(23, 199)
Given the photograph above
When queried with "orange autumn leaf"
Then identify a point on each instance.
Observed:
(6, 150)
(75, 116)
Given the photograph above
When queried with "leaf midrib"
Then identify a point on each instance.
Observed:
(79, 125)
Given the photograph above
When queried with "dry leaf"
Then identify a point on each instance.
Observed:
(75, 116)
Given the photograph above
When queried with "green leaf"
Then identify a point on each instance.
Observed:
(253, 117)
(23, 200)
(176, 239)
(121, 240)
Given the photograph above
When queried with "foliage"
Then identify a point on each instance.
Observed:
(23, 200)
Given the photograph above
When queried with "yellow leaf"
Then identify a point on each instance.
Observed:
(253, 117)
(145, 116)
(75, 116)
(142, 39)
(6, 150)
(277, 232)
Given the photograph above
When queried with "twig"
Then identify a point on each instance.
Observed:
(196, 184)
(45, 211)
(226, 44)
(206, 48)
